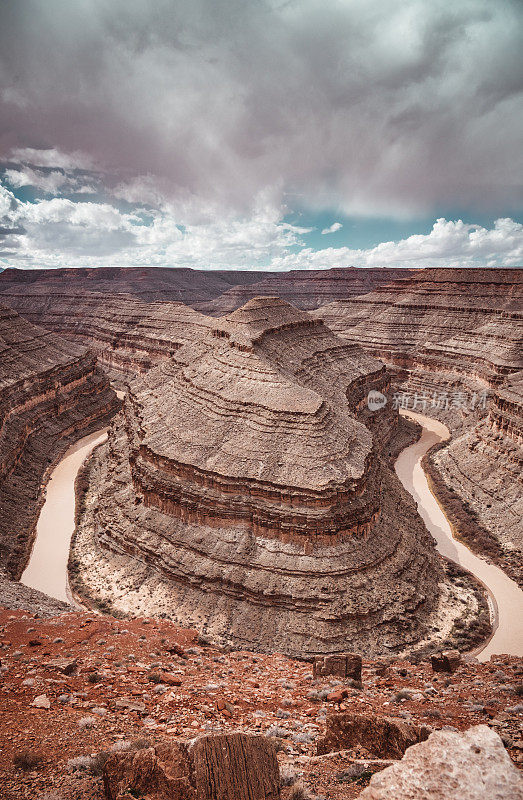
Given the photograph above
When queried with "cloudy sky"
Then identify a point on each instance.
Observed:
(261, 133)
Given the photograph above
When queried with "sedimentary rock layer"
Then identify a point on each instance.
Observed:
(453, 336)
(248, 472)
(464, 323)
(305, 289)
(127, 335)
(179, 285)
(51, 392)
(210, 291)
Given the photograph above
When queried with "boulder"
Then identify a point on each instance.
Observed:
(346, 665)
(382, 737)
(451, 765)
(155, 773)
(66, 666)
(211, 768)
(235, 766)
(448, 661)
(42, 701)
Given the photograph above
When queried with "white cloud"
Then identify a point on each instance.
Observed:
(6, 201)
(336, 226)
(51, 157)
(63, 232)
(450, 243)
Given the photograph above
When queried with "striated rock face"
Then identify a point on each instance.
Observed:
(128, 336)
(178, 285)
(459, 333)
(51, 392)
(214, 292)
(453, 323)
(249, 474)
(469, 766)
(210, 768)
(305, 289)
(382, 737)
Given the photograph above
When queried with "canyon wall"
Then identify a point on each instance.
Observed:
(51, 393)
(212, 292)
(128, 336)
(453, 341)
(246, 490)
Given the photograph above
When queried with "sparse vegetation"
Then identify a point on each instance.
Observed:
(86, 722)
(299, 792)
(287, 775)
(94, 677)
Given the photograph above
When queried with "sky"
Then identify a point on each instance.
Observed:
(261, 134)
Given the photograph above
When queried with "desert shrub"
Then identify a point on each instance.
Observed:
(518, 689)
(154, 677)
(27, 759)
(299, 792)
(287, 775)
(97, 764)
(87, 722)
(403, 694)
(94, 677)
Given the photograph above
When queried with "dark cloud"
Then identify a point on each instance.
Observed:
(375, 107)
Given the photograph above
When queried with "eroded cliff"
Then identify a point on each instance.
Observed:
(245, 490)
(453, 341)
(51, 393)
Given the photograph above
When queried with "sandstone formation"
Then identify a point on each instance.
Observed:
(179, 285)
(305, 289)
(469, 766)
(214, 292)
(249, 474)
(382, 737)
(51, 393)
(128, 336)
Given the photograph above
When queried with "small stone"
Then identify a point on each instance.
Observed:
(42, 701)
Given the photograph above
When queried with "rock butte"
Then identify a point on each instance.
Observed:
(248, 471)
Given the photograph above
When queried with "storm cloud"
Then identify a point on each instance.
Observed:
(206, 109)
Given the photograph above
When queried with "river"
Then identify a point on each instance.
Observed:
(47, 566)
(505, 596)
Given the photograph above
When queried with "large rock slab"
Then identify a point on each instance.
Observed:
(345, 665)
(450, 765)
(211, 768)
(382, 737)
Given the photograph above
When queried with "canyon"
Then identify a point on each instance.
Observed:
(445, 338)
(244, 514)
(249, 473)
(51, 392)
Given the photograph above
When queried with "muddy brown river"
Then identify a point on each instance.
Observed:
(505, 596)
(47, 567)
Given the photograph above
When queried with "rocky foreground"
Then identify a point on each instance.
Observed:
(93, 706)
